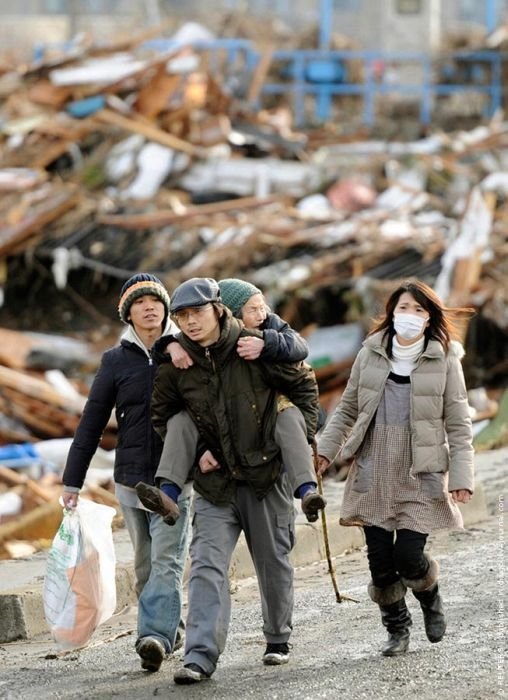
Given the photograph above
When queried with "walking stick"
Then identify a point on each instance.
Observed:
(339, 597)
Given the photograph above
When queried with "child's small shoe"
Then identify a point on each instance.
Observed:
(156, 500)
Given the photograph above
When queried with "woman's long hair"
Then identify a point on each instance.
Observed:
(442, 326)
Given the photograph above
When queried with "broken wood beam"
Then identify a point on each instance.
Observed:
(39, 389)
(152, 133)
(259, 75)
(12, 478)
(52, 209)
(161, 218)
(40, 523)
(102, 495)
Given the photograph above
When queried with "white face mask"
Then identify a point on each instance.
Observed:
(408, 326)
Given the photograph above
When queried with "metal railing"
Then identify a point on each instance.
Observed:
(298, 65)
(324, 76)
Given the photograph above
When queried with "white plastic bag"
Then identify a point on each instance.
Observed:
(79, 586)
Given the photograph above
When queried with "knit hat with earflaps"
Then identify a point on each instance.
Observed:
(235, 293)
(138, 286)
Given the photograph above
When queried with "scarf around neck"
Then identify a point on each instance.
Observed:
(404, 357)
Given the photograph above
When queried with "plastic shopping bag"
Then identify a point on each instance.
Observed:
(79, 586)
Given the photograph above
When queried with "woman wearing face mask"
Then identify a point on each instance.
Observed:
(404, 417)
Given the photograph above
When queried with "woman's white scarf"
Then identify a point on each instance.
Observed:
(404, 357)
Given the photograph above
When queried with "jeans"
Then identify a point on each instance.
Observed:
(160, 551)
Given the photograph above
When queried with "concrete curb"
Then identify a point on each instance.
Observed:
(22, 612)
(310, 546)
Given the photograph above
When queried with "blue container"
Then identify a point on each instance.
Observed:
(84, 108)
(24, 450)
(325, 71)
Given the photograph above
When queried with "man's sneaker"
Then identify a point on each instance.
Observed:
(312, 503)
(190, 673)
(276, 654)
(156, 500)
(152, 653)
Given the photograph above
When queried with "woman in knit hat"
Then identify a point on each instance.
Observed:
(276, 342)
(124, 382)
(279, 343)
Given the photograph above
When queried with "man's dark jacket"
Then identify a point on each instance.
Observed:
(234, 406)
(123, 381)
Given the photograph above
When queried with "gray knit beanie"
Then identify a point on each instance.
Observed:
(140, 285)
(235, 293)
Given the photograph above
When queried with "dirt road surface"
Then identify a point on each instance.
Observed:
(335, 646)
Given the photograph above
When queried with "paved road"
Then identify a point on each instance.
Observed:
(334, 651)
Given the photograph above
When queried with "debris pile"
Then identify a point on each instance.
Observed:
(125, 157)
(39, 411)
(120, 158)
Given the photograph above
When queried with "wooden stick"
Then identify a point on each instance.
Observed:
(339, 597)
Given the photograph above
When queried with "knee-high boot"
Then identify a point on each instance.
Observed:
(426, 591)
(394, 616)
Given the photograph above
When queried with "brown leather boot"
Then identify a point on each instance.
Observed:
(156, 500)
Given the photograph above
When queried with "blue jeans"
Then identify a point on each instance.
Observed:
(160, 551)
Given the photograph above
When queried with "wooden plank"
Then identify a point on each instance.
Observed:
(260, 73)
(12, 478)
(161, 218)
(41, 522)
(39, 389)
(14, 348)
(102, 495)
(45, 93)
(154, 97)
(40, 413)
(49, 154)
(152, 133)
(39, 424)
(52, 209)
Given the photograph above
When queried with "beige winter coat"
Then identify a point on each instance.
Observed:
(439, 418)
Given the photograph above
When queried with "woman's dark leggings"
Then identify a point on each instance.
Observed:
(395, 554)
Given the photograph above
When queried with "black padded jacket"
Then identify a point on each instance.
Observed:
(233, 404)
(123, 382)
